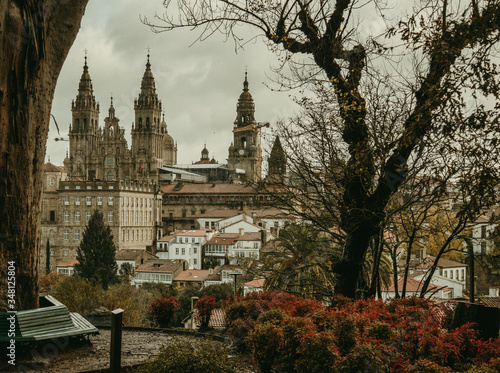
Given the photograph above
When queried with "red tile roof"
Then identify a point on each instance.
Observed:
(224, 239)
(192, 233)
(208, 189)
(193, 275)
(49, 167)
(71, 263)
(160, 266)
(413, 286)
(167, 238)
(256, 283)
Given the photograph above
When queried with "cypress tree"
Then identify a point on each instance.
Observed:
(96, 253)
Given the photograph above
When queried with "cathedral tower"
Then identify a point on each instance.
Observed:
(277, 163)
(245, 153)
(147, 132)
(83, 129)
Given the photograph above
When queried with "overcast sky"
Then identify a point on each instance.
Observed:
(199, 85)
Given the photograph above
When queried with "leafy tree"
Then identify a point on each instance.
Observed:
(126, 272)
(163, 310)
(96, 253)
(219, 292)
(36, 37)
(205, 305)
(300, 264)
(385, 99)
(210, 262)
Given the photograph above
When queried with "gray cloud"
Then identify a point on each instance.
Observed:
(199, 83)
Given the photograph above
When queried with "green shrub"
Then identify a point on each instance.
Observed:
(198, 356)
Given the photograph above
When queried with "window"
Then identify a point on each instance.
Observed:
(126, 217)
(445, 273)
(52, 181)
(66, 201)
(52, 216)
(451, 274)
(88, 214)
(77, 234)
(77, 201)
(110, 161)
(111, 200)
(195, 261)
(110, 216)
(51, 252)
(89, 201)
(110, 175)
(65, 252)
(183, 251)
(66, 234)
(184, 213)
(128, 235)
(176, 251)
(77, 216)
(99, 201)
(462, 275)
(195, 250)
(66, 216)
(483, 231)
(483, 247)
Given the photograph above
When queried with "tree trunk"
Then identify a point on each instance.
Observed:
(35, 39)
(348, 268)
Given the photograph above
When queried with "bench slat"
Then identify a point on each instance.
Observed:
(47, 323)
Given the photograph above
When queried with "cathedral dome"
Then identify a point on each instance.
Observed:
(168, 140)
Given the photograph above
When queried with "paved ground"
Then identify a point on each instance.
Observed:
(137, 347)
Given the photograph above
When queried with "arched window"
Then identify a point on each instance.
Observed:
(84, 123)
(243, 142)
(103, 151)
(110, 161)
(117, 151)
(77, 124)
(140, 122)
(110, 175)
(147, 122)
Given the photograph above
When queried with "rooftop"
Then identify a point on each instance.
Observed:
(160, 266)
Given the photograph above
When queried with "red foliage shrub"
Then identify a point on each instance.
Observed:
(163, 309)
(205, 305)
(399, 335)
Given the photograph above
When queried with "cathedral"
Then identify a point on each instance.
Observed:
(97, 153)
(102, 153)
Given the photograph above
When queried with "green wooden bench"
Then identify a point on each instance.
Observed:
(44, 324)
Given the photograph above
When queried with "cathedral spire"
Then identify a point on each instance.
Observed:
(85, 91)
(245, 109)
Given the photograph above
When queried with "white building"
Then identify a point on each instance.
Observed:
(160, 271)
(184, 245)
(234, 246)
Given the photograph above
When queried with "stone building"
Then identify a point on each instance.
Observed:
(183, 202)
(245, 153)
(131, 209)
(97, 153)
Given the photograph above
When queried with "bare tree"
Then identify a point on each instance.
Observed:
(36, 37)
(450, 48)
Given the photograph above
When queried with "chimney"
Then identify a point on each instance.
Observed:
(244, 216)
(242, 232)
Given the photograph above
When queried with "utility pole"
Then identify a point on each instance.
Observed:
(235, 274)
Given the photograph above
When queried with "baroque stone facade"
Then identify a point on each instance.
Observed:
(245, 153)
(97, 153)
